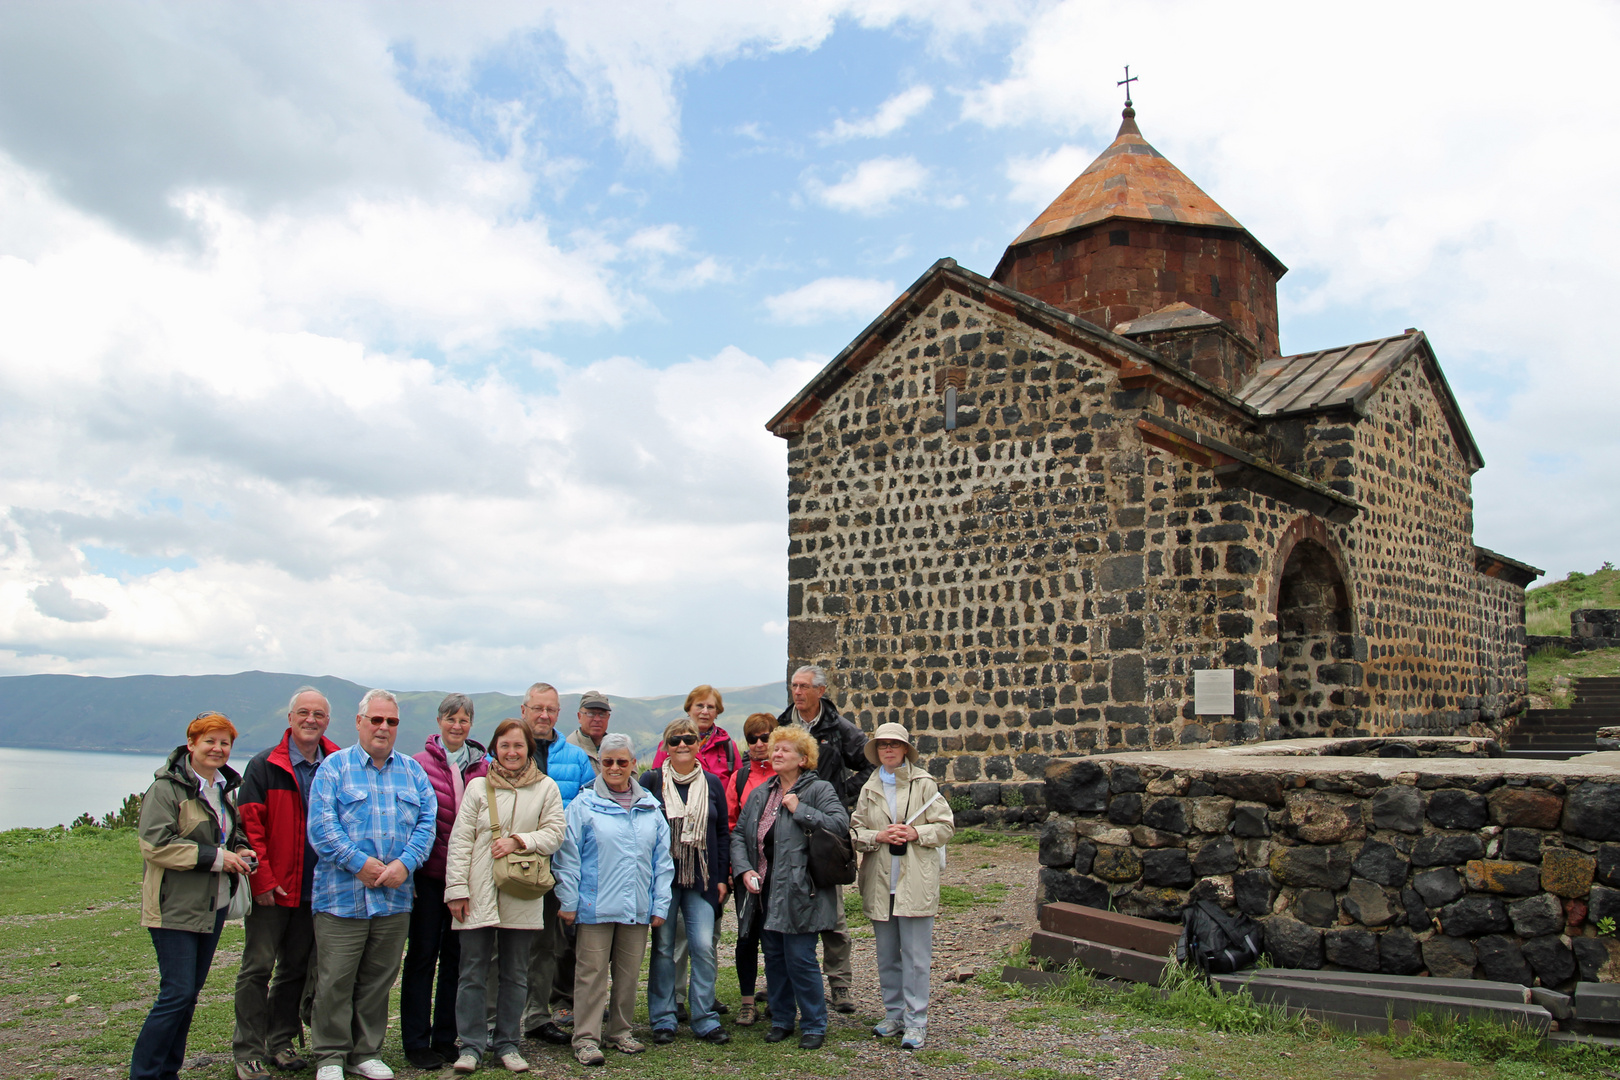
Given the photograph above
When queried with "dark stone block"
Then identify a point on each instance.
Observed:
(1124, 778)
(1449, 957)
(1168, 814)
(1502, 960)
(1215, 857)
(1352, 948)
(1057, 842)
(1166, 868)
(1535, 916)
(1068, 888)
(1381, 863)
(1076, 787)
(1120, 573)
(1249, 820)
(1085, 853)
(1591, 956)
(1437, 886)
(1417, 914)
(1450, 808)
(1521, 845)
(985, 794)
(1451, 850)
(1253, 891)
(1251, 788)
(1551, 959)
(1473, 916)
(1608, 864)
(1312, 867)
(1292, 944)
(1316, 907)
(1592, 810)
(1398, 807)
(1367, 903)
(1398, 952)
(1125, 809)
(1603, 903)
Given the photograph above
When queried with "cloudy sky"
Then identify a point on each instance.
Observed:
(431, 345)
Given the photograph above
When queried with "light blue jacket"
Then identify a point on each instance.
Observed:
(614, 865)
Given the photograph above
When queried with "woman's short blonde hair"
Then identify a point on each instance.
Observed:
(800, 739)
(683, 726)
(699, 693)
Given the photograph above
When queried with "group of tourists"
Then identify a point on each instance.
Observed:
(517, 883)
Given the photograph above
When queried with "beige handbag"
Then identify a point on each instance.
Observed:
(522, 875)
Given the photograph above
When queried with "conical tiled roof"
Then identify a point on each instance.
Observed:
(1128, 180)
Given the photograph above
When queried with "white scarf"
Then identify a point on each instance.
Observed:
(688, 843)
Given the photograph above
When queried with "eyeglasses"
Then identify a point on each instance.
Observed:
(617, 763)
(752, 739)
(682, 740)
(379, 721)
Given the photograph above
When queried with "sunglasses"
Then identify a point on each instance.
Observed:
(752, 739)
(682, 740)
(379, 721)
(617, 763)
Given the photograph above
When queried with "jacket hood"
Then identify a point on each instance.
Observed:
(176, 768)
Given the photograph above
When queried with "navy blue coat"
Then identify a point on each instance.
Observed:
(718, 833)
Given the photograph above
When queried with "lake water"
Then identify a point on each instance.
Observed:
(41, 788)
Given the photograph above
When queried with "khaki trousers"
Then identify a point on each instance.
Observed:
(356, 962)
(607, 955)
(835, 950)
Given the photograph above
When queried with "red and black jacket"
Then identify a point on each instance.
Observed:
(273, 816)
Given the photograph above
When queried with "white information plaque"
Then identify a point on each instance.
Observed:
(1212, 693)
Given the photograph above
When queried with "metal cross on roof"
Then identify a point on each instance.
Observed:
(1126, 83)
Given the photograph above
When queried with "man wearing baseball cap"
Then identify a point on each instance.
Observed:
(594, 712)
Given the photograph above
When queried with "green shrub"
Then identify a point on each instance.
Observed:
(1011, 796)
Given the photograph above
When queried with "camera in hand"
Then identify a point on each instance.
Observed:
(897, 849)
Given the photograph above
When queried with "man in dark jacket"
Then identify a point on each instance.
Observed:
(841, 761)
(274, 805)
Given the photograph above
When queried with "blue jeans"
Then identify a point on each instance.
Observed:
(184, 957)
(699, 915)
(793, 981)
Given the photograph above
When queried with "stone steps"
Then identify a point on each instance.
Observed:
(1567, 732)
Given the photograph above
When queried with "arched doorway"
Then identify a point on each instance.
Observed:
(1320, 681)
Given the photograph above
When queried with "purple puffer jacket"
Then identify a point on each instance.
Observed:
(437, 765)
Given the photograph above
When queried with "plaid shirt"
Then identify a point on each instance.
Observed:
(358, 811)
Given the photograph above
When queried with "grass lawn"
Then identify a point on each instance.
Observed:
(1547, 608)
(1546, 665)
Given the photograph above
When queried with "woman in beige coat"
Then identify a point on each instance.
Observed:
(901, 825)
(494, 926)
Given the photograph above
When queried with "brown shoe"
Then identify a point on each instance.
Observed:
(747, 1015)
(626, 1044)
(841, 1000)
(588, 1053)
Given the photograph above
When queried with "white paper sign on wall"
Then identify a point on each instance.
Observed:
(1212, 693)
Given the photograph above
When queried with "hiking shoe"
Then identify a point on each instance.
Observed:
(372, 1069)
(718, 1036)
(549, 1032)
(466, 1063)
(588, 1053)
(811, 1040)
(425, 1058)
(289, 1060)
(747, 1015)
(721, 1007)
(777, 1034)
(626, 1044)
(251, 1070)
(913, 1039)
(888, 1029)
(682, 1014)
(840, 1000)
(512, 1061)
(664, 1036)
(562, 1017)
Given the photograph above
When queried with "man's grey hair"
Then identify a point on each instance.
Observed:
(539, 688)
(452, 704)
(373, 695)
(616, 740)
(292, 702)
(818, 677)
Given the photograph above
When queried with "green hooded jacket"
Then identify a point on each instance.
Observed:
(180, 844)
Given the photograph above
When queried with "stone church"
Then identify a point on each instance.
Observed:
(1025, 510)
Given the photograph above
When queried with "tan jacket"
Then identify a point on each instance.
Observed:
(918, 891)
(469, 872)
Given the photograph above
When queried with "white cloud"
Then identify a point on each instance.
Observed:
(1037, 180)
(873, 186)
(831, 298)
(890, 117)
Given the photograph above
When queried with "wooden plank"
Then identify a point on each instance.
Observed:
(1401, 984)
(1110, 928)
(1104, 959)
(1033, 976)
(1366, 1001)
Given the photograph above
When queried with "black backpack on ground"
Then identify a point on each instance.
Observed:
(1217, 943)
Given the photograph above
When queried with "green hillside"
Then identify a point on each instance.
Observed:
(1547, 608)
(149, 713)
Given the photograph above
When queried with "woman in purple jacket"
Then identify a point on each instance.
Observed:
(427, 1020)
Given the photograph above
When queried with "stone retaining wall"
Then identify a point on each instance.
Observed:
(1459, 866)
(1589, 628)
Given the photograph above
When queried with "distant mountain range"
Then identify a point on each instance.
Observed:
(149, 713)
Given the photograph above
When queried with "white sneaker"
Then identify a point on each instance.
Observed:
(913, 1039)
(329, 1072)
(373, 1069)
(466, 1063)
(513, 1062)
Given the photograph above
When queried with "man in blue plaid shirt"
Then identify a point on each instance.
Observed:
(372, 816)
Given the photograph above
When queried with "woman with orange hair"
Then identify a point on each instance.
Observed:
(195, 851)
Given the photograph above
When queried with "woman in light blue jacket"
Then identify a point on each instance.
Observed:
(613, 883)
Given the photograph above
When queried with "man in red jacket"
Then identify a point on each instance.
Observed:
(274, 803)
